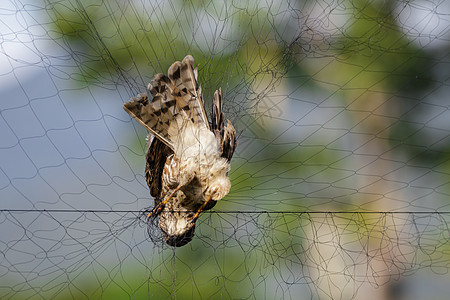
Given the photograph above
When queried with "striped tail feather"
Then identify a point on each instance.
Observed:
(151, 116)
(184, 78)
(176, 100)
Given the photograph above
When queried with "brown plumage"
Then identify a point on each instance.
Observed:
(188, 158)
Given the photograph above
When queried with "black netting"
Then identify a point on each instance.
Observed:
(340, 182)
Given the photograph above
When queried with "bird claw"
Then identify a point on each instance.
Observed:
(200, 210)
(157, 209)
(195, 216)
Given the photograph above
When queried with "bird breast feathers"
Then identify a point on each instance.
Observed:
(192, 140)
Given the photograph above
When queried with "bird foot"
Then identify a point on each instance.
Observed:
(157, 209)
(200, 210)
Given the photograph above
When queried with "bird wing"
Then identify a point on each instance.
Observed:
(151, 116)
(225, 134)
(229, 141)
(155, 160)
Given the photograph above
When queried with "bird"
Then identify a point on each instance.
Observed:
(188, 157)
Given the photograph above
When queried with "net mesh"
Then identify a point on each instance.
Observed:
(340, 182)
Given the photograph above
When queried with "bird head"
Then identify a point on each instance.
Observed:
(218, 187)
(218, 183)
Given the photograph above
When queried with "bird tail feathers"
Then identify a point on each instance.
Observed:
(177, 100)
